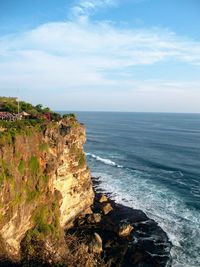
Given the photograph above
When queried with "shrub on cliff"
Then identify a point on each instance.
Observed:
(10, 104)
(70, 115)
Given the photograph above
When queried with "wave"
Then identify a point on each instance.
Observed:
(105, 161)
(174, 173)
(179, 221)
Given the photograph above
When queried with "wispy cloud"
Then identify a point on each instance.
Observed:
(92, 56)
(60, 51)
(85, 8)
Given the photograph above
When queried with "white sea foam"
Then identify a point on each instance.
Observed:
(138, 189)
(161, 204)
(105, 161)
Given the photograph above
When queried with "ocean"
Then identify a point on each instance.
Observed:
(151, 161)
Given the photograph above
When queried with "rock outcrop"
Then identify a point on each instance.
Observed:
(44, 184)
(124, 236)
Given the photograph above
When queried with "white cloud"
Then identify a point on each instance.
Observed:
(74, 56)
(84, 8)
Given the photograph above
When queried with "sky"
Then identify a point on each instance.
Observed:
(102, 55)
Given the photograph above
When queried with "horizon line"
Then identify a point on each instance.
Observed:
(116, 111)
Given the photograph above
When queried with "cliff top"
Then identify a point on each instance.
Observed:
(13, 106)
(19, 116)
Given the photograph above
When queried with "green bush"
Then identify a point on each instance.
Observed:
(10, 104)
(55, 116)
(46, 219)
(70, 115)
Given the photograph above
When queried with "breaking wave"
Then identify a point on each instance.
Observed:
(105, 161)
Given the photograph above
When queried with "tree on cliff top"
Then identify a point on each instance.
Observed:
(10, 104)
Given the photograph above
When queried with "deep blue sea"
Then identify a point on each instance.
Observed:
(151, 161)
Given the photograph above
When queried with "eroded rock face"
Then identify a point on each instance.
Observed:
(71, 177)
(45, 182)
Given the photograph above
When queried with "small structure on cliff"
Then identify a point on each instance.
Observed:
(4, 115)
(24, 114)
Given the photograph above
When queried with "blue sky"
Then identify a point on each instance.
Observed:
(114, 55)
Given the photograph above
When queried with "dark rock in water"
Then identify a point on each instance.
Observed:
(142, 243)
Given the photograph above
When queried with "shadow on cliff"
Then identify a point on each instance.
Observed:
(6, 263)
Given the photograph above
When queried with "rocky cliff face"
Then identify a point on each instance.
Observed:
(44, 184)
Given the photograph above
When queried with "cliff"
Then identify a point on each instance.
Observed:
(49, 215)
(45, 184)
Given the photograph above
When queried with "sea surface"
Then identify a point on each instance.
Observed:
(151, 161)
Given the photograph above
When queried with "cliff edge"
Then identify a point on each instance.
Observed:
(45, 184)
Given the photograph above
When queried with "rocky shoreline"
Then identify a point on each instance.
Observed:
(122, 236)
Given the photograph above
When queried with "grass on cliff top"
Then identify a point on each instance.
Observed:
(37, 118)
(9, 129)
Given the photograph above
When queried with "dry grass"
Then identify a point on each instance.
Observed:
(78, 254)
(72, 252)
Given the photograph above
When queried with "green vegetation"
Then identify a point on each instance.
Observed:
(36, 117)
(79, 155)
(81, 160)
(16, 200)
(41, 220)
(45, 178)
(46, 221)
(5, 173)
(34, 165)
(8, 136)
(10, 104)
(44, 147)
(32, 195)
(21, 166)
(22, 127)
(70, 115)
(2, 178)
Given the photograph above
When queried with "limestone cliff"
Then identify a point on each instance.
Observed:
(44, 182)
